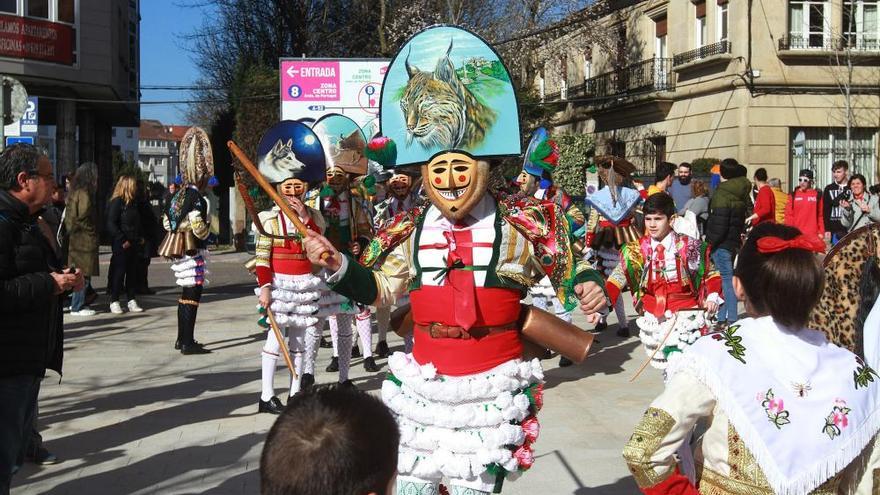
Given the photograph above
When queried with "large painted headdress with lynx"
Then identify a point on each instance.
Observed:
(290, 149)
(196, 158)
(344, 142)
(447, 90)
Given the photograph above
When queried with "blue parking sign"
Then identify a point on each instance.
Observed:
(10, 140)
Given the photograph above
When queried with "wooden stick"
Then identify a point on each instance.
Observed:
(280, 337)
(265, 186)
(651, 357)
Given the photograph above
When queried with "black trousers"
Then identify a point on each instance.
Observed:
(123, 268)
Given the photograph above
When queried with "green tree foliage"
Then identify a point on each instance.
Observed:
(703, 166)
(575, 152)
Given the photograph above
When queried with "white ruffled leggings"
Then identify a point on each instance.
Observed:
(303, 347)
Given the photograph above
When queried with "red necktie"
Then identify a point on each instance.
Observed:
(464, 298)
(660, 286)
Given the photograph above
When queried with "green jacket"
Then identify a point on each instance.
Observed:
(79, 220)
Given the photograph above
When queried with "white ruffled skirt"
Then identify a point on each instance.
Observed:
(303, 300)
(191, 271)
(686, 329)
(463, 427)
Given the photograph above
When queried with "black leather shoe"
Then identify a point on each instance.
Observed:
(370, 365)
(355, 352)
(326, 344)
(623, 332)
(271, 406)
(382, 349)
(564, 362)
(602, 325)
(193, 348)
(176, 345)
(333, 366)
(348, 384)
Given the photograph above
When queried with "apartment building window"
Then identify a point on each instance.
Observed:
(617, 148)
(563, 77)
(38, 8)
(541, 87)
(129, 133)
(861, 29)
(721, 17)
(660, 50)
(816, 148)
(701, 28)
(66, 11)
(112, 132)
(9, 6)
(659, 145)
(588, 63)
(809, 23)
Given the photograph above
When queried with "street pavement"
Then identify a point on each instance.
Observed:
(131, 415)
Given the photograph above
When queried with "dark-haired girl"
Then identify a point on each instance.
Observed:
(667, 272)
(862, 208)
(786, 411)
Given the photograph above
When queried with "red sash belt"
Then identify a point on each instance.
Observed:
(495, 307)
(672, 296)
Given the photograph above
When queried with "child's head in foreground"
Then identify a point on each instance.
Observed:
(331, 440)
(779, 274)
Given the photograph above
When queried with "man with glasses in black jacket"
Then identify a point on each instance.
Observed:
(31, 283)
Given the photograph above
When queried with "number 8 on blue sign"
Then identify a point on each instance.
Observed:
(294, 91)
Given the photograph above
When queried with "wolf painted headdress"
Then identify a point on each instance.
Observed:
(289, 149)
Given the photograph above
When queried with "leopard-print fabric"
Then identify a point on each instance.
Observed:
(836, 312)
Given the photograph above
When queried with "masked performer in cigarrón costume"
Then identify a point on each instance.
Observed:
(186, 220)
(401, 197)
(465, 400)
(291, 158)
(536, 180)
(611, 222)
(349, 225)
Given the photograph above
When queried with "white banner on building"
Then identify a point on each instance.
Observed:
(313, 87)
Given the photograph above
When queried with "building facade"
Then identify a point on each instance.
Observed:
(124, 141)
(82, 59)
(783, 84)
(158, 150)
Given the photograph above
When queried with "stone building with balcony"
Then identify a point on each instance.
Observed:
(776, 84)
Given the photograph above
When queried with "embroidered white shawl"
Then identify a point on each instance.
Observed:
(805, 408)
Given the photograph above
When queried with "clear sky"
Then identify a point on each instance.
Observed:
(165, 59)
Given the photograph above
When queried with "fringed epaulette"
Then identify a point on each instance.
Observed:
(395, 231)
(544, 224)
(634, 262)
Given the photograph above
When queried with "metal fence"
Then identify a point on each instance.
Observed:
(654, 74)
(828, 43)
(702, 52)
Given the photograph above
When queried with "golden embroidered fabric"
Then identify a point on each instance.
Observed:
(645, 440)
(189, 302)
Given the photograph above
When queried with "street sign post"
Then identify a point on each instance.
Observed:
(311, 88)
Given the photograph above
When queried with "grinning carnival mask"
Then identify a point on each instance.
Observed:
(400, 185)
(456, 182)
(448, 111)
(337, 179)
(293, 188)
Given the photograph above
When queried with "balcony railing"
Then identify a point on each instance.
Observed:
(654, 74)
(827, 43)
(702, 52)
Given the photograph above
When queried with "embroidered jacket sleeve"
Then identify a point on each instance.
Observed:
(627, 272)
(380, 286)
(592, 226)
(650, 453)
(263, 250)
(700, 264)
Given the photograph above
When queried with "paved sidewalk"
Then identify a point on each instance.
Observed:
(131, 415)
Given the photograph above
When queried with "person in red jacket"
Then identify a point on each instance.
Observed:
(765, 201)
(804, 207)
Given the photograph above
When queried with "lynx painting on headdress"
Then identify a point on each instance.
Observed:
(440, 111)
(280, 161)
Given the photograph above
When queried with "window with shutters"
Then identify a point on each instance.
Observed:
(721, 13)
(701, 28)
